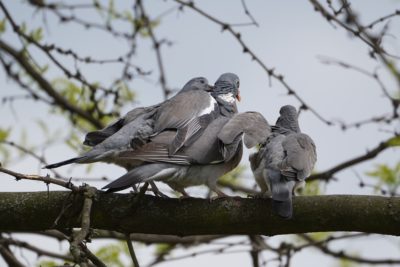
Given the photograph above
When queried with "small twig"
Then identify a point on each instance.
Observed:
(247, 12)
(254, 252)
(157, 48)
(78, 237)
(246, 49)
(343, 255)
(46, 179)
(8, 256)
(131, 251)
(327, 175)
(92, 257)
(37, 250)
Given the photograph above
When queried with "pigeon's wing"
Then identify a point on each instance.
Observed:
(96, 137)
(155, 151)
(185, 112)
(206, 148)
(182, 108)
(145, 173)
(188, 134)
(300, 156)
(252, 124)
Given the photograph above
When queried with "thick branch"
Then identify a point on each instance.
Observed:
(46, 86)
(228, 216)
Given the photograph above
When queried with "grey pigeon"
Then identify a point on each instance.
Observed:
(181, 112)
(251, 124)
(284, 162)
(198, 162)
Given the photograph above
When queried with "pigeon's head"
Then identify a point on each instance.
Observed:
(199, 83)
(227, 86)
(288, 110)
(288, 118)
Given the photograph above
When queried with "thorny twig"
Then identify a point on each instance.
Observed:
(78, 237)
(46, 179)
(342, 255)
(246, 49)
(328, 174)
(156, 45)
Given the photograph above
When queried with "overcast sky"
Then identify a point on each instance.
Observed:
(291, 38)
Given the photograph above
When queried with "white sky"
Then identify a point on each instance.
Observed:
(290, 38)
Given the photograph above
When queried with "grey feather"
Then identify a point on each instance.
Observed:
(203, 153)
(136, 127)
(252, 124)
(284, 161)
(140, 174)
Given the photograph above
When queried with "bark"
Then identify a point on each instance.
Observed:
(38, 211)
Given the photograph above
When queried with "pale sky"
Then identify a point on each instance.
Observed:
(291, 38)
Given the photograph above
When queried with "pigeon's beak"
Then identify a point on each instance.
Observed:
(210, 88)
(238, 96)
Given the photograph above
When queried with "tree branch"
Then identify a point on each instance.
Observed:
(328, 174)
(46, 86)
(343, 255)
(228, 216)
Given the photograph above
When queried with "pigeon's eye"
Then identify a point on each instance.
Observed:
(202, 81)
(237, 84)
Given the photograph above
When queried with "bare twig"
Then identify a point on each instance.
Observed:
(246, 49)
(343, 255)
(156, 45)
(328, 174)
(37, 250)
(46, 86)
(247, 12)
(45, 179)
(132, 251)
(78, 237)
(8, 256)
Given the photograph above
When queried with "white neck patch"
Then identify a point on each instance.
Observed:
(228, 98)
(211, 106)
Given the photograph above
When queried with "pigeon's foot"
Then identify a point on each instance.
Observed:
(219, 195)
(185, 195)
(156, 191)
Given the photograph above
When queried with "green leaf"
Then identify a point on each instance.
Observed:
(385, 174)
(37, 34)
(312, 188)
(3, 25)
(395, 141)
(232, 177)
(4, 134)
(163, 249)
(110, 254)
(49, 263)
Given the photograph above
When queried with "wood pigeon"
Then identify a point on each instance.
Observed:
(181, 112)
(284, 161)
(201, 161)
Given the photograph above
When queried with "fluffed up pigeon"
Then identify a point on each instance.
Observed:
(181, 112)
(284, 162)
(200, 161)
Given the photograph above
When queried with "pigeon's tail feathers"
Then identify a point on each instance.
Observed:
(145, 173)
(66, 162)
(283, 208)
(278, 185)
(96, 137)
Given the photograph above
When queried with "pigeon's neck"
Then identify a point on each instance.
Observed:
(228, 97)
(291, 124)
(227, 104)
